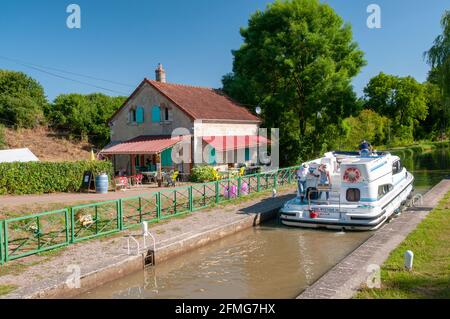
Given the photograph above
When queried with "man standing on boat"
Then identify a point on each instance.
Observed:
(301, 174)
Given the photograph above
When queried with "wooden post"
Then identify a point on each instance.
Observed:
(133, 167)
(158, 169)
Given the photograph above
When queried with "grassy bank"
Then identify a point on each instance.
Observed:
(420, 146)
(430, 276)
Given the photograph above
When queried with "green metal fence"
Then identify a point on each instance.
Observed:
(94, 220)
(1, 243)
(27, 235)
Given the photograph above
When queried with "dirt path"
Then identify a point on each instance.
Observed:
(9, 201)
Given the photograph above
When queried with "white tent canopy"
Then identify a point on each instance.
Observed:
(17, 155)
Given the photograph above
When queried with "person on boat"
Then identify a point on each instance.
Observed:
(324, 180)
(365, 149)
(301, 175)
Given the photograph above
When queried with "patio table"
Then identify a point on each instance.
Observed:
(150, 176)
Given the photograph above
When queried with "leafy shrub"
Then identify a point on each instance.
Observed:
(22, 100)
(367, 125)
(2, 137)
(83, 115)
(204, 173)
(47, 177)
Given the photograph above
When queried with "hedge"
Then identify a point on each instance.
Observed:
(47, 177)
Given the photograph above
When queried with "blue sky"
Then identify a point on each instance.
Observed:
(123, 41)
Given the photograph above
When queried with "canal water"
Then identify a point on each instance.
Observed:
(428, 168)
(269, 261)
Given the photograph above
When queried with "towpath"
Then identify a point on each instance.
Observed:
(63, 198)
(103, 260)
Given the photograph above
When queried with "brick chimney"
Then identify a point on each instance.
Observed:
(160, 74)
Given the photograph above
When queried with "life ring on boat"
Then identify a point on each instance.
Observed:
(352, 175)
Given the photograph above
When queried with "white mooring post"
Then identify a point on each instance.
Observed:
(146, 234)
(409, 257)
(144, 228)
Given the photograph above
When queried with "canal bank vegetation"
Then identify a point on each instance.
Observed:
(430, 276)
(422, 146)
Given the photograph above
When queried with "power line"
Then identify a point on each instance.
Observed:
(67, 72)
(42, 69)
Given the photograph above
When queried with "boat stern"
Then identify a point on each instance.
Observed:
(300, 214)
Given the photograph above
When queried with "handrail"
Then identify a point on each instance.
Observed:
(128, 238)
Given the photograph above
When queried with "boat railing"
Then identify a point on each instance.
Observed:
(318, 201)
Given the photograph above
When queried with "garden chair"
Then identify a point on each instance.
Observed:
(138, 179)
(121, 183)
(171, 178)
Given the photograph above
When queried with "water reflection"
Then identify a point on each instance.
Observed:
(428, 167)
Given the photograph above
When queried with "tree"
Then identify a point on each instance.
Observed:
(22, 100)
(84, 116)
(296, 63)
(401, 99)
(439, 59)
(436, 123)
(367, 125)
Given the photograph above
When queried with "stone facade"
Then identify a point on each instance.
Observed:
(122, 129)
(173, 121)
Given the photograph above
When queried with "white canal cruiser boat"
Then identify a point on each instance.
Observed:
(365, 191)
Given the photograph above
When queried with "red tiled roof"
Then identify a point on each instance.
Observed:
(142, 145)
(226, 143)
(204, 103)
(200, 103)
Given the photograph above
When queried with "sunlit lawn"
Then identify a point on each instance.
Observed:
(430, 277)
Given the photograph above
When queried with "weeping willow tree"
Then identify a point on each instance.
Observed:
(438, 57)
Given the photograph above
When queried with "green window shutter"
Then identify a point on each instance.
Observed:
(156, 114)
(247, 154)
(166, 157)
(140, 114)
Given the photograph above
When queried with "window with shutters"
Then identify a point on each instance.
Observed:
(132, 116)
(140, 115)
(156, 114)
